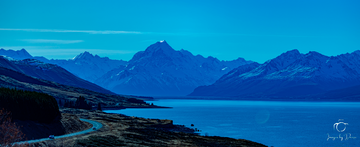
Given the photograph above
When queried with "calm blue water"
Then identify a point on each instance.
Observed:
(278, 124)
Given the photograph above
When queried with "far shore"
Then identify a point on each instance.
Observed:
(257, 99)
(122, 107)
(115, 107)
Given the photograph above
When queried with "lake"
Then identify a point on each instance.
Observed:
(272, 123)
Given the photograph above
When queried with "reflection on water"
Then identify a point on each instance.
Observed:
(271, 123)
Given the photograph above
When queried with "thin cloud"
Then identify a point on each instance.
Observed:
(49, 50)
(25, 47)
(73, 31)
(161, 33)
(71, 53)
(52, 41)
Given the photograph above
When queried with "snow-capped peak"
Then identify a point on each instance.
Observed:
(161, 45)
(83, 55)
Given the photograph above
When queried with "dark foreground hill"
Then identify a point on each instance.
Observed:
(36, 114)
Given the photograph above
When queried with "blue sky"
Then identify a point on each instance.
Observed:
(255, 30)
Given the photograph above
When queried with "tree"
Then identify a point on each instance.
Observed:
(9, 132)
(60, 103)
(82, 104)
(99, 107)
(29, 105)
(69, 104)
(134, 100)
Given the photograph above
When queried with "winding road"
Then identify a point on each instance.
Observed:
(95, 124)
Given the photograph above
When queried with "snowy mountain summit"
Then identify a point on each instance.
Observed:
(84, 55)
(162, 71)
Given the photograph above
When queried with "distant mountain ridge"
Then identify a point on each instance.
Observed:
(162, 71)
(84, 65)
(291, 74)
(50, 72)
(19, 54)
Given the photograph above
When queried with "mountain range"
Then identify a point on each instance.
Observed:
(162, 71)
(290, 75)
(157, 71)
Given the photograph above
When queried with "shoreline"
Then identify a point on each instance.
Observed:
(123, 130)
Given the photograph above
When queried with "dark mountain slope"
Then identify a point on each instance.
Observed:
(14, 79)
(49, 72)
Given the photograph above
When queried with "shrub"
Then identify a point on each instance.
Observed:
(9, 132)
